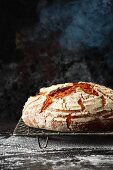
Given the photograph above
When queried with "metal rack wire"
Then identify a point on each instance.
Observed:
(23, 130)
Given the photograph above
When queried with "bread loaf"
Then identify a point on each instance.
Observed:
(75, 107)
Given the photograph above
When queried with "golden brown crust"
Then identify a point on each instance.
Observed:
(78, 107)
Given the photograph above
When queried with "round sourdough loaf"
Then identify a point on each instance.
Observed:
(76, 107)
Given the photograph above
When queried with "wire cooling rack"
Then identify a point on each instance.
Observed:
(23, 130)
(101, 138)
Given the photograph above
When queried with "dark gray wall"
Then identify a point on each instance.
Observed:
(47, 42)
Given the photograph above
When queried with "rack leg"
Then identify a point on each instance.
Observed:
(46, 143)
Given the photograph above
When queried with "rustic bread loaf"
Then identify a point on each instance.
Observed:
(77, 107)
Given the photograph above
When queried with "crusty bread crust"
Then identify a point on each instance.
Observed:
(77, 107)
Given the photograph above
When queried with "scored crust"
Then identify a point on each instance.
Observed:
(77, 107)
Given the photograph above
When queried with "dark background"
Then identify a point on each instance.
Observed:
(52, 41)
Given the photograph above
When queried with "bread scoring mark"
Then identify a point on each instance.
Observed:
(98, 114)
(104, 94)
(103, 101)
(87, 88)
(60, 93)
(106, 116)
(65, 111)
(81, 104)
(68, 121)
(64, 102)
(83, 97)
